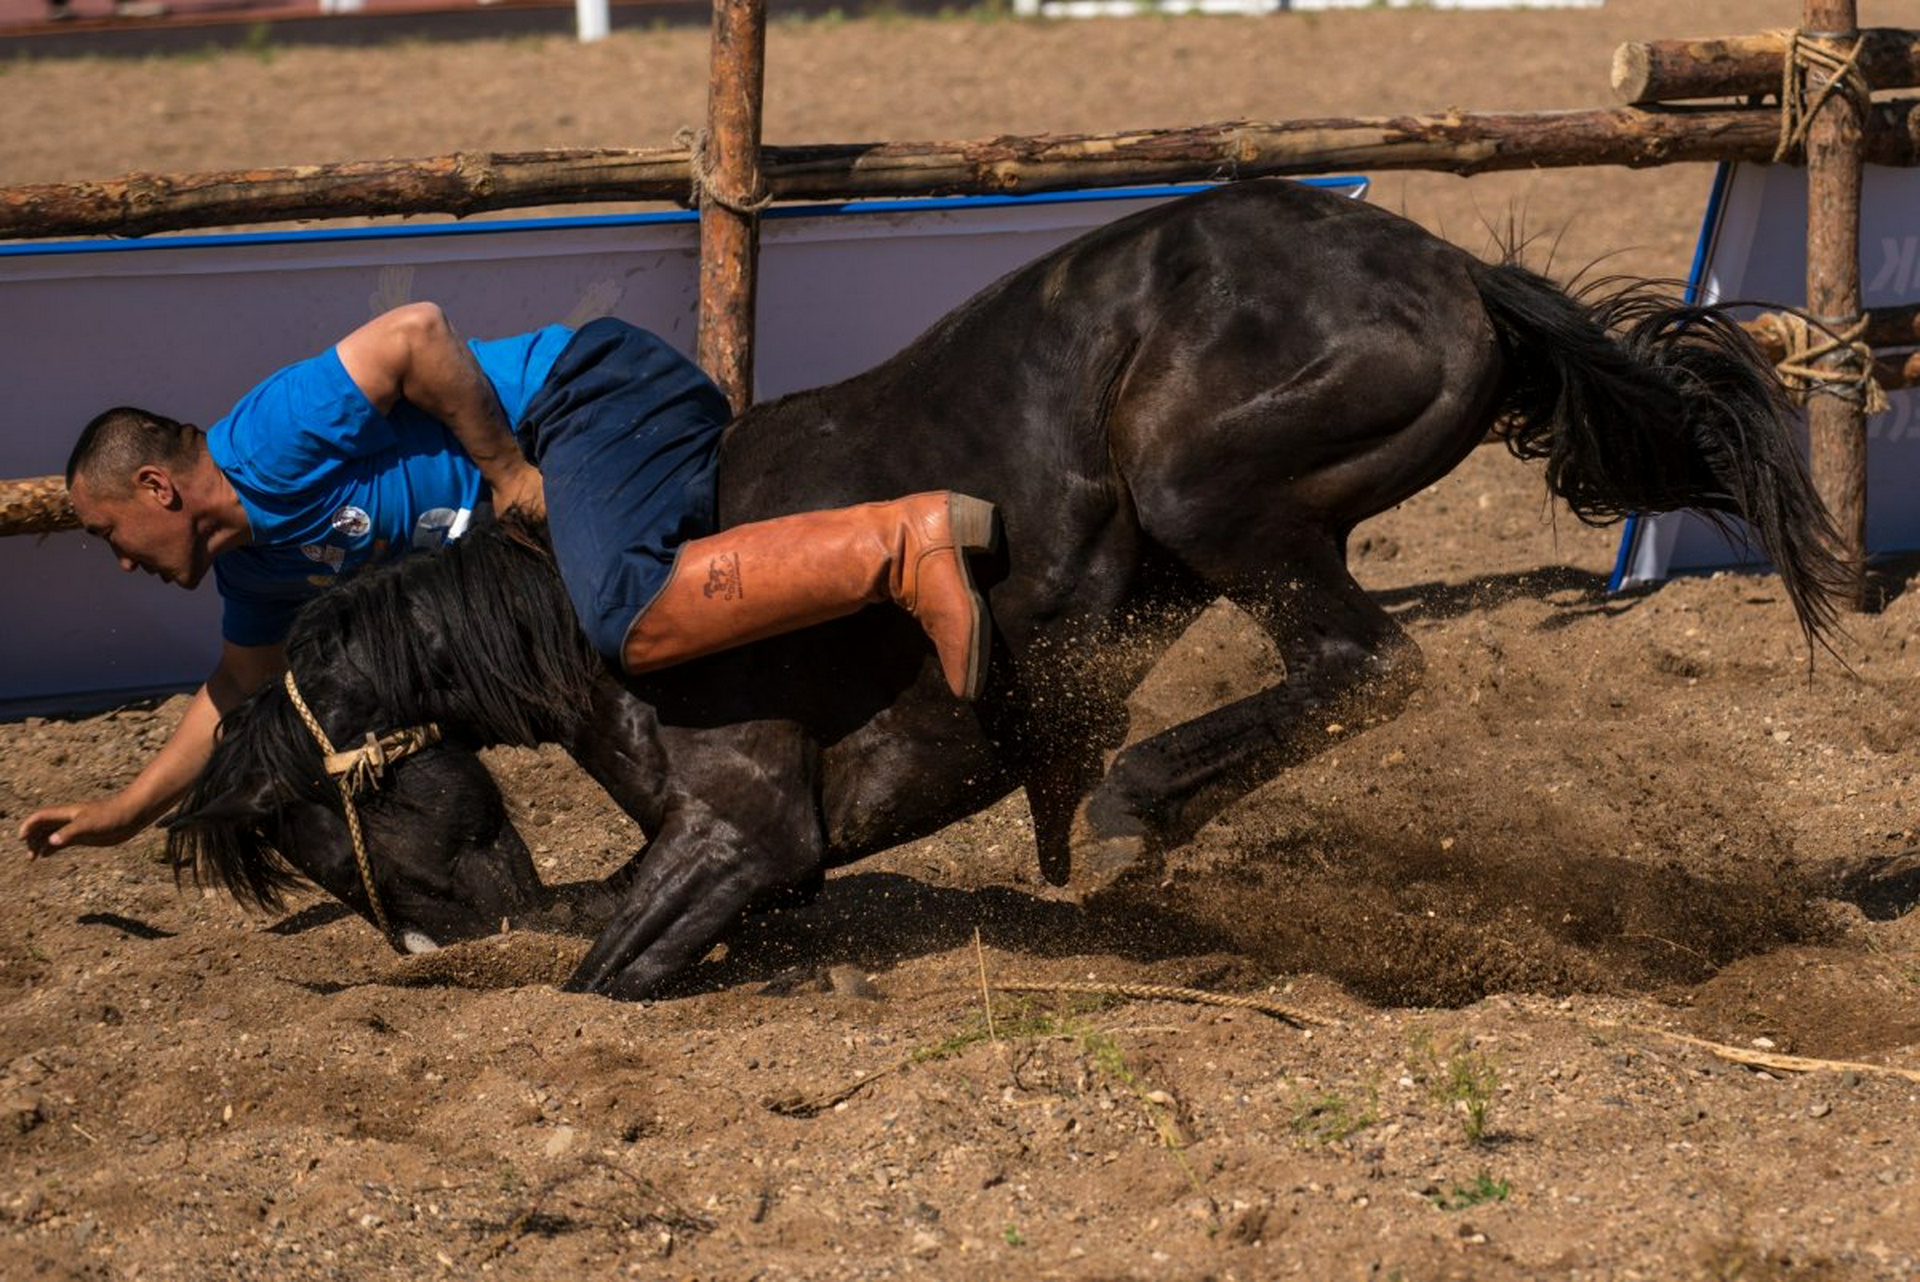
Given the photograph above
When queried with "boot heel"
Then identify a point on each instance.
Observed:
(970, 520)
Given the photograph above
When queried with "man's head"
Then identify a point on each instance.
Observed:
(139, 481)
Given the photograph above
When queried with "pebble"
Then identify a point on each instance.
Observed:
(26, 1112)
(560, 1141)
(851, 981)
(1819, 1108)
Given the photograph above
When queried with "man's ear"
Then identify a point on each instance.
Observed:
(157, 482)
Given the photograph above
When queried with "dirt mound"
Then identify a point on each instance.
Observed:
(1404, 921)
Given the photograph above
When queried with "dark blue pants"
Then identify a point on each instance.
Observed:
(626, 434)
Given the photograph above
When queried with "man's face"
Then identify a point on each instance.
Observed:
(148, 527)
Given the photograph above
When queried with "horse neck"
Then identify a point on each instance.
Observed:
(477, 641)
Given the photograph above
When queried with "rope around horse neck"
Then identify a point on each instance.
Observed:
(359, 768)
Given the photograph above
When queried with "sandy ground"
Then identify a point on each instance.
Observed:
(1600, 830)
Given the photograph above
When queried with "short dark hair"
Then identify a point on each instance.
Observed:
(120, 440)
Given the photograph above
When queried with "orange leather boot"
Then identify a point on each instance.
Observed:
(759, 580)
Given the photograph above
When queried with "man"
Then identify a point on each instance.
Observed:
(383, 444)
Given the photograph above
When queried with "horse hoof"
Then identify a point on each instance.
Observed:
(1108, 846)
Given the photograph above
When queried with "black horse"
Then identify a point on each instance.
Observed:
(1196, 401)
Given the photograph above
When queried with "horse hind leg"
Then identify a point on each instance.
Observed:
(1348, 663)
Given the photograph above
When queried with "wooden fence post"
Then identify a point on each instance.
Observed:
(1837, 423)
(731, 192)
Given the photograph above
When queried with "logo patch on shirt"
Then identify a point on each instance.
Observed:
(438, 525)
(352, 522)
(331, 557)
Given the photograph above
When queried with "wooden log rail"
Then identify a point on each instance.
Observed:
(36, 506)
(1740, 66)
(470, 183)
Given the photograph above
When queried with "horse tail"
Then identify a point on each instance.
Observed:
(232, 830)
(1639, 402)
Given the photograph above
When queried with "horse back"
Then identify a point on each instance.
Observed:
(1265, 331)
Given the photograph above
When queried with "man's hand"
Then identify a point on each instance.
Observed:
(106, 822)
(523, 491)
(109, 821)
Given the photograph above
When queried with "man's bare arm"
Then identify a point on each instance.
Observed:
(412, 353)
(158, 787)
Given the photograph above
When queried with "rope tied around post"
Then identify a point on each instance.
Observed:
(1805, 52)
(358, 770)
(702, 170)
(1808, 342)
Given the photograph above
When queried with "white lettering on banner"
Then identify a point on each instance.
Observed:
(1897, 254)
(395, 289)
(600, 298)
(1899, 422)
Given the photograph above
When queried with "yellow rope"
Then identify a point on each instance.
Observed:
(1843, 75)
(1800, 369)
(364, 767)
(346, 801)
(1171, 993)
(703, 170)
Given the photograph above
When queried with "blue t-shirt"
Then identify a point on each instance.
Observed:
(330, 484)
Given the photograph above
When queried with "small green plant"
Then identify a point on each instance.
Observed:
(1461, 1079)
(1011, 1234)
(1103, 1053)
(1484, 1189)
(1327, 1117)
(1024, 1024)
(1107, 1058)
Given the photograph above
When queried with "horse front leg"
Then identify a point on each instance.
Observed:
(739, 826)
(695, 883)
(1348, 664)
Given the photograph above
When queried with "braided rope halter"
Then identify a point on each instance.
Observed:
(360, 770)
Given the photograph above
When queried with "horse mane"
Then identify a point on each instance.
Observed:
(479, 637)
(234, 830)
